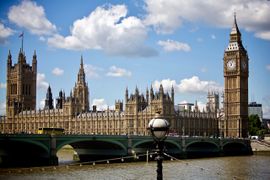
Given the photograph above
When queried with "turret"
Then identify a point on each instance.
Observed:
(21, 58)
(137, 91)
(161, 91)
(70, 94)
(34, 62)
(49, 99)
(172, 95)
(126, 95)
(151, 93)
(196, 108)
(81, 62)
(147, 96)
(9, 60)
(59, 100)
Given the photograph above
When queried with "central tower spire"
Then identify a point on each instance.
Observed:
(81, 91)
(81, 74)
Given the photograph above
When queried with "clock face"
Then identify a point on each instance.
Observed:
(231, 64)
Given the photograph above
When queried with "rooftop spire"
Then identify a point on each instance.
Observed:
(9, 58)
(81, 61)
(81, 74)
(21, 36)
(235, 29)
(34, 56)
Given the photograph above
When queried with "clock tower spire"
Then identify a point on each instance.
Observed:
(236, 86)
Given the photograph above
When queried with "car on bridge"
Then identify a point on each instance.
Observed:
(51, 131)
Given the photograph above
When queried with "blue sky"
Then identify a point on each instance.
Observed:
(136, 43)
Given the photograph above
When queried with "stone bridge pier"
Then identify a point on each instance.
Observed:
(53, 159)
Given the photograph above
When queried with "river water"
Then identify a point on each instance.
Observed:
(238, 167)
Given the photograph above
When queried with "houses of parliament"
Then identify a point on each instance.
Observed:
(131, 117)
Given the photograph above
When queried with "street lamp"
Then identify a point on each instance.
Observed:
(159, 128)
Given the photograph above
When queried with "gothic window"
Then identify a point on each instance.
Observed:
(29, 89)
(23, 89)
(26, 89)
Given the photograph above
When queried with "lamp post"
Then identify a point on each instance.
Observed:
(159, 128)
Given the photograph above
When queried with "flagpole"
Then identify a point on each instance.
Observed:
(21, 36)
(22, 40)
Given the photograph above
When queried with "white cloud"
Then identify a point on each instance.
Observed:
(5, 32)
(32, 17)
(166, 83)
(41, 81)
(263, 35)
(213, 36)
(118, 72)
(189, 85)
(3, 85)
(42, 38)
(171, 45)
(194, 84)
(168, 15)
(92, 71)
(2, 108)
(100, 103)
(42, 104)
(107, 28)
(268, 67)
(57, 71)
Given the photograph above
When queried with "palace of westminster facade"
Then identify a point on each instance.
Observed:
(131, 117)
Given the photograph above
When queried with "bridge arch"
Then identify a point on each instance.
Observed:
(202, 148)
(70, 142)
(20, 152)
(144, 145)
(235, 148)
(95, 149)
(37, 143)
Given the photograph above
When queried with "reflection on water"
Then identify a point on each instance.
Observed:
(66, 155)
(243, 167)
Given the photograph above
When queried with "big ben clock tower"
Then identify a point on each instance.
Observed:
(236, 86)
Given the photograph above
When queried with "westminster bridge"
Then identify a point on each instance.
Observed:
(41, 149)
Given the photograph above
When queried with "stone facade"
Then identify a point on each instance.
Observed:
(21, 84)
(73, 114)
(236, 86)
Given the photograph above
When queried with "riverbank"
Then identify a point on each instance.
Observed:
(236, 167)
(260, 147)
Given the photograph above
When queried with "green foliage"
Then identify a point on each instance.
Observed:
(254, 126)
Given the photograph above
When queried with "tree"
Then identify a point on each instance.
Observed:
(255, 126)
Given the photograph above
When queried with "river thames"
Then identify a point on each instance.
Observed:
(238, 167)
